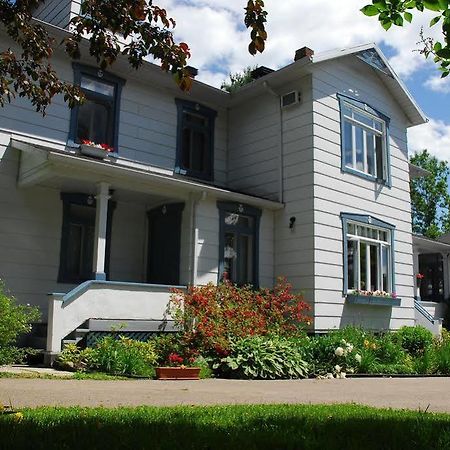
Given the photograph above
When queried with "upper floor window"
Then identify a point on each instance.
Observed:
(364, 139)
(239, 243)
(368, 254)
(97, 119)
(195, 140)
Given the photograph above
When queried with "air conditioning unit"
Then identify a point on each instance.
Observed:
(290, 98)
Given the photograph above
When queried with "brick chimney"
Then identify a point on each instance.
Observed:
(302, 52)
(193, 72)
(260, 72)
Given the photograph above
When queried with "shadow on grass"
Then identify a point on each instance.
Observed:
(226, 427)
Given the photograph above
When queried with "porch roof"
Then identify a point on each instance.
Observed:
(44, 162)
(424, 244)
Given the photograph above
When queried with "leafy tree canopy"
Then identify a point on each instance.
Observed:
(430, 200)
(238, 79)
(396, 12)
(146, 30)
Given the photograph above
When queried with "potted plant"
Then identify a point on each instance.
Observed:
(90, 148)
(379, 298)
(177, 369)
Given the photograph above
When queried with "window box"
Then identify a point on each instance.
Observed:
(94, 152)
(356, 299)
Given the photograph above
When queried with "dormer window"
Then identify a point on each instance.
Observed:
(97, 119)
(364, 139)
(195, 142)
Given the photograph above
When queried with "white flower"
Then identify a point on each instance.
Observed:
(358, 358)
(337, 368)
(349, 348)
(339, 351)
(342, 375)
(329, 376)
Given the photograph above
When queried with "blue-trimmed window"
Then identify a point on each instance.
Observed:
(364, 140)
(239, 243)
(368, 254)
(97, 119)
(195, 140)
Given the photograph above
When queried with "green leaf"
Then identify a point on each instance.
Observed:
(443, 4)
(444, 53)
(433, 5)
(386, 24)
(408, 16)
(435, 20)
(370, 10)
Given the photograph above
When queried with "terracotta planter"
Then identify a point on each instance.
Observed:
(177, 373)
(95, 152)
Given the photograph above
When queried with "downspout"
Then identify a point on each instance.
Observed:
(281, 151)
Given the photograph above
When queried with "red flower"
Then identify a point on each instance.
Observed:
(420, 276)
(175, 359)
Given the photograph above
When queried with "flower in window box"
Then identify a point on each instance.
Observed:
(102, 146)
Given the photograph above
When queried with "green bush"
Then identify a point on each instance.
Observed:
(167, 343)
(415, 340)
(15, 320)
(121, 356)
(260, 357)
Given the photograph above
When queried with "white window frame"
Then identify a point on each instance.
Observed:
(358, 107)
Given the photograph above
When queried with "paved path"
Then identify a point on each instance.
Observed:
(411, 393)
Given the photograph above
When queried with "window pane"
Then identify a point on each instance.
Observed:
(98, 86)
(196, 119)
(379, 157)
(378, 125)
(230, 256)
(95, 122)
(245, 260)
(352, 249)
(198, 151)
(363, 119)
(370, 145)
(348, 145)
(363, 266)
(346, 110)
(385, 268)
(351, 228)
(359, 148)
(373, 267)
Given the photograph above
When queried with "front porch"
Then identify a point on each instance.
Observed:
(127, 236)
(432, 278)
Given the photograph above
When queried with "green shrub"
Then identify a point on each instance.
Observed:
(442, 357)
(15, 320)
(167, 343)
(122, 356)
(415, 340)
(261, 357)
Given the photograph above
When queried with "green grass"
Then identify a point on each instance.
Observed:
(305, 427)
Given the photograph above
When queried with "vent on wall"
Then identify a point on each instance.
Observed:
(289, 99)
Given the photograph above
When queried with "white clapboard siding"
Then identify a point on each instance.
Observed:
(336, 192)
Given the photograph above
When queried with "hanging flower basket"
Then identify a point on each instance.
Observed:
(178, 373)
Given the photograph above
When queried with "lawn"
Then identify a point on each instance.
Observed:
(225, 427)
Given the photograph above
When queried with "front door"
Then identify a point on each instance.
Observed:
(163, 266)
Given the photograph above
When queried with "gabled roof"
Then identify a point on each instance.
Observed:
(369, 53)
(372, 55)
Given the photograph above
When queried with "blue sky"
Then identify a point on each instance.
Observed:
(213, 29)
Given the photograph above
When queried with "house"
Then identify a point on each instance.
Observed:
(303, 172)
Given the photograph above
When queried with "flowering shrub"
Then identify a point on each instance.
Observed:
(213, 315)
(103, 146)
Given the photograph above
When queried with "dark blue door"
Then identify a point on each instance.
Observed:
(164, 244)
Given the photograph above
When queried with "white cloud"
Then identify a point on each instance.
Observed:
(434, 136)
(218, 40)
(438, 84)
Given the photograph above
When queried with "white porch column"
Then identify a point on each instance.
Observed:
(101, 218)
